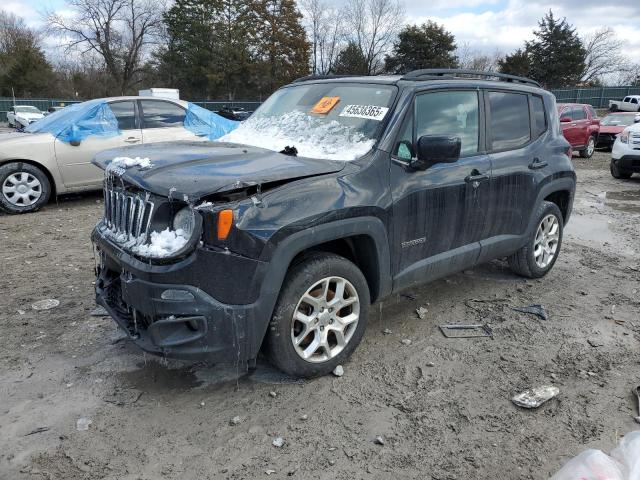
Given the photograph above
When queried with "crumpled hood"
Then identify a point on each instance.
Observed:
(197, 169)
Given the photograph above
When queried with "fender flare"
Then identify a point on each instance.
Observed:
(557, 185)
(276, 269)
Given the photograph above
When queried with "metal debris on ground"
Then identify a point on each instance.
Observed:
(304, 417)
(466, 331)
(37, 430)
(536, 309)
(535, 397)
(636, 392)
(405, 341)
(278, 442)
(273, 394)
(46, 304)
(82, 424)
(595, 343)
(379, 440)
(338, 371)
(386, 331)
(421, 312)
(99, 311)
(235, 420)
(269, 472)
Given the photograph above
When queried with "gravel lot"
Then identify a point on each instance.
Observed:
(441, 405)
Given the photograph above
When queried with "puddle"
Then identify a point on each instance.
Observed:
(594, 230)
(625, 201)
(628, 195)
(157, 377)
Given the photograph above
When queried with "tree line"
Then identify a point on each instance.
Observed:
(245, 49)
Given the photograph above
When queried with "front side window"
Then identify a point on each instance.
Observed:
(158, 114)
(510, 124)
(454, 113)
(578, 114)
(125, 113)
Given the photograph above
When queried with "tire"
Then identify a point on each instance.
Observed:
(24, 188)
(308, 279)
(587, 152)
(613, 108)
(524, 262)
(619, 174)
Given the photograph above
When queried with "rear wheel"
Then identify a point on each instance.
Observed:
(24, 188)
(320, 317)
(613, 108)
(616, 172)
(589, 149)
(538, 256)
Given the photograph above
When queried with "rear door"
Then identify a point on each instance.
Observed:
(75, 160)
(582, 124)
(163, 121)
(516, 123)
(438, 213)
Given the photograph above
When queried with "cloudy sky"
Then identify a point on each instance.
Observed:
(486, 25)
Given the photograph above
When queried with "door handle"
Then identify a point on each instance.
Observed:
(574, 124)
(537, 164)
(132, 140)
(476, 176)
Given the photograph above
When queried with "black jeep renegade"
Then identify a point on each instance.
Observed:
(336, 193)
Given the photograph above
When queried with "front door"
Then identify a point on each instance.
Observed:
(75, 160)
(438, 213)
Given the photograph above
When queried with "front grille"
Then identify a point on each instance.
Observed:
(127, 216)
(634, 140)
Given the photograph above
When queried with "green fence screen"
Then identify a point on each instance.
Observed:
(598, 97)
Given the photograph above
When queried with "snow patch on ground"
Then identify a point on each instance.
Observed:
(313, 137)
(162, 244)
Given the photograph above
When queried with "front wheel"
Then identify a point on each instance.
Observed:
(617, 173)
(538, 256)
(24, 188)
(320, 316)
(589, 149)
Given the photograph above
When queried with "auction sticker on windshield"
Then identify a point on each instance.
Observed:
(325, 104)
(370, 112)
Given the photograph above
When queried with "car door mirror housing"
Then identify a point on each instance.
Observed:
(434, 149)
(565, 120)
(75, 143)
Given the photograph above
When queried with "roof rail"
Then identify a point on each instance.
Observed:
(454, 73)
(322, 77)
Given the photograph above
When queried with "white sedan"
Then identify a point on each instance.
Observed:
(53, 156)
(21, 116)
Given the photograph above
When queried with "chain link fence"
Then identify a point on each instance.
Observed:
(598, 97)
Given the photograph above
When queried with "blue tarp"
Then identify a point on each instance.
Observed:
(77, 122)
(203, 122)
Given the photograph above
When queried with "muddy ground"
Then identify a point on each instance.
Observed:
(442, 405)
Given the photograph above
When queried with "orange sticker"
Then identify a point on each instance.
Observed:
(325, 104)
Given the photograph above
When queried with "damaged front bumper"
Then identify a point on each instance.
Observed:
(164, 315)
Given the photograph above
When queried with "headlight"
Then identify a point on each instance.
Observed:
(624, 137)
(184, 220)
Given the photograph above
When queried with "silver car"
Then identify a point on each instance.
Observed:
(37, 163)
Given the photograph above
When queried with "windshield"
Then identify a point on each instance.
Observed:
(336, 121)
(60, 119)
(26, 109)
(618, 120)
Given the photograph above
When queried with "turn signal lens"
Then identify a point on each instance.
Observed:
(225, 221)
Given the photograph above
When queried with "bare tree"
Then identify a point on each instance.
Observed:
(604, 57)
(118, 31)
(325, 27)
(473, 59)
(373, 26)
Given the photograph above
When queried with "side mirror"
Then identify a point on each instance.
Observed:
(434, 149)
(565, 120)
(636, 119)
(75, 143)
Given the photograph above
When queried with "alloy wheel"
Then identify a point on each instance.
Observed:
(545, 245)
(22, 189)
(591, 146)
(325, 319)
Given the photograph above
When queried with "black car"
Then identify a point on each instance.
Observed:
(369, 185)
(238, 113)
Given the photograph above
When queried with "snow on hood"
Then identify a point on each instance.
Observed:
(120, 164)
(312, 137)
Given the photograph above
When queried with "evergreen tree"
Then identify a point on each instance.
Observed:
(426, 46)
(517, 63)
(350, 61)
(557, 54)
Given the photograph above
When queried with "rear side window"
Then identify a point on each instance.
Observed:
(157, 114)
(510, 121)
(634, 100)
(453, 113)
(539, 117)
(592, 112)
(125, 113)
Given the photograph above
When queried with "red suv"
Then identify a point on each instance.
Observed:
(580, 126)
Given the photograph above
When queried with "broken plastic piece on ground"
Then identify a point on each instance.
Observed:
(99, 311)
(278, 442)
(623, 464)
(466, 331)
(46, 304)
(636, 392)
(536, 309)
(82, 424)
(535, 397)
